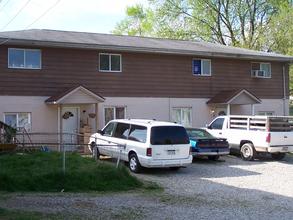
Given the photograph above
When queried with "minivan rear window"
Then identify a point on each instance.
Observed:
(165, 135)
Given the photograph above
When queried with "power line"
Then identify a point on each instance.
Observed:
(4, 5)
(19, 11)
(43, 14)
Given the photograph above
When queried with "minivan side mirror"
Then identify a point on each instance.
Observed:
(208, 126)
(101, 132)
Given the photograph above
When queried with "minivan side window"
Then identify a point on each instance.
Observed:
(122, 130)
(138, 133)
(217, 124)
(108, 130)
(166, 135)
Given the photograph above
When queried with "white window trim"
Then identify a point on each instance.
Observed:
(114, 112)
(201, 63)
(24, 67)
(110, 54)
(189, 107)
(16, 113)
(265, 77)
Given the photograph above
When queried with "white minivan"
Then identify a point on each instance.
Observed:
(146, 143)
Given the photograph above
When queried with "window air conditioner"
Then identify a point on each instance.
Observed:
(257, 73)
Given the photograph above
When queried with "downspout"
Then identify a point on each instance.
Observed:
(284, 91)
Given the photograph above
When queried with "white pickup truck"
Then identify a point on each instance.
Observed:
(255, 134)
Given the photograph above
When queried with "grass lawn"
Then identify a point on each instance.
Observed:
(42, 172)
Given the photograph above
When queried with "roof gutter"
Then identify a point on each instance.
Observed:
(142, 49)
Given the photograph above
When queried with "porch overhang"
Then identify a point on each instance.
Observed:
(234, 97)
(75, 95)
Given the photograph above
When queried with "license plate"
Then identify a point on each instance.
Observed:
(285, 148)
(171, 152)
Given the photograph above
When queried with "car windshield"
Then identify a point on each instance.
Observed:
(165, 135)
(198, 133)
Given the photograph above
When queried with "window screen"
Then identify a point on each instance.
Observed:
(24, 58)
(110, 62)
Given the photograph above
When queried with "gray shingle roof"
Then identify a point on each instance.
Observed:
(54, 38)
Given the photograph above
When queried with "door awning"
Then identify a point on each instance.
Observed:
(75, 95)
(236, 97)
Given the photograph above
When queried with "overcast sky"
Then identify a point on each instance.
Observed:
(75, 15)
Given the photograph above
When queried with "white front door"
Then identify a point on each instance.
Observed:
(70, 124)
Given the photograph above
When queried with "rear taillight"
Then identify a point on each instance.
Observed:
(149, 152)
(268, 138)
(190, 151)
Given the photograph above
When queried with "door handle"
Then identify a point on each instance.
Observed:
(220, 132)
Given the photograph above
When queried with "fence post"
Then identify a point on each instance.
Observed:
(119, 156)
(63, 158)
(95, 152)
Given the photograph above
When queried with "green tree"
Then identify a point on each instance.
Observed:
(256, 24)
(138, 22)
(280, 34)
(230, 22)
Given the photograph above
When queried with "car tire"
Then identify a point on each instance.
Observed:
(93, 144)
(247, 152)
(214, 157)
(278, 156)
(134, 164)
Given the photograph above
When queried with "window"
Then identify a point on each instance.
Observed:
(114, 113)
(24, 58)
(261, 70)
(122, 130)
(182, 116)
(110, 62)
(217, 124)
(108, 130)
(165, 135)
(201, 67)
(18, 120)
(138, 133)
(269, 113)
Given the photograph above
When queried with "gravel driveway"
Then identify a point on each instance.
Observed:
(228, 189)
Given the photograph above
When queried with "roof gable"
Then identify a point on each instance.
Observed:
(236, 97)
(75, 95)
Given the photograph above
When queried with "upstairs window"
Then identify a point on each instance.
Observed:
(110, 62)
(24, 58)
(261, 70)
(201, 67)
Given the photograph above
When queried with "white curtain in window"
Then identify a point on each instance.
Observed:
(206, 67)
(24, 121)
(109, 114)
(182, 116)
(186, 117)
(176, 115)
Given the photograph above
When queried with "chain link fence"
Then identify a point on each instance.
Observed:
(65, 143)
